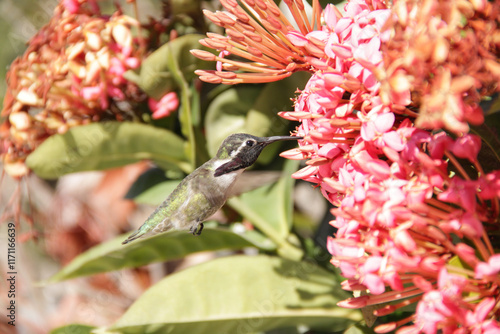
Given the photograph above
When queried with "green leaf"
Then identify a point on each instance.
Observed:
(100, 146)
(185, 113)
(156, 77)
(489, 131)
(227, 114)
(359, 329)
(270, 207)
(240, 294)
(169, 68)
(156, 194)
(187, 7)
(175, 65)
(112, 255)
(490, 104)
(285, 330)
(73, 329)
(145, 181)
(151, 187)
(273, 203)
(251, 109)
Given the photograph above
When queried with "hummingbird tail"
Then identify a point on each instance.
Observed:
(136, 235)
(146, 230)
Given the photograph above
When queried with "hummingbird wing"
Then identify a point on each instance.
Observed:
(211, 196)
(160, 220)
(196, 198)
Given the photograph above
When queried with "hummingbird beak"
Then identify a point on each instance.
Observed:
(268, 140)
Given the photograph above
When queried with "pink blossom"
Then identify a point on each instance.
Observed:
(331, 14)
(132, 62)
(71, 5)
(74, 6)
(429, 312)
(91, 93)
(167, 104)
(370, 277)
(490, 268)
(462, 193)
(297, 38)
(221, 55)
(467, 146)
(489, 185)
(376, 124)
(477, 320)
(117, 69)
(96, 93)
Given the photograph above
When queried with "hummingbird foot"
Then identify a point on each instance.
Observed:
(196, 230)
(200, 229)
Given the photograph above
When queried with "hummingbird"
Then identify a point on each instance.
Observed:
(207, 188)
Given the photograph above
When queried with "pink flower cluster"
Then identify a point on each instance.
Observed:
(409, 229)
(98, 61)
(340, 103)
(414, 207)
(109, 50)
(163, 108)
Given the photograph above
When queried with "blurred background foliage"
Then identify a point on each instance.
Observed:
(104, 178)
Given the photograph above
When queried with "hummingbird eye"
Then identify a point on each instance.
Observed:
(250, 142)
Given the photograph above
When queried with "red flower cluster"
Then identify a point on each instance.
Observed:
(71, 74)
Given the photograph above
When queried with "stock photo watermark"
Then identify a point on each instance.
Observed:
(11, 273)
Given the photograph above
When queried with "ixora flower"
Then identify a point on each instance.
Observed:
(71, 74)
(414, 207)
(167, 104)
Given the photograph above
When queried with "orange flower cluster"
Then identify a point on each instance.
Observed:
(263, 40)
(447, 53)
(70, 74)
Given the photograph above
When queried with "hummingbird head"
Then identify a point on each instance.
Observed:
(242, 150)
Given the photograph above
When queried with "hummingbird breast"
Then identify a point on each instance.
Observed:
(217, 192)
